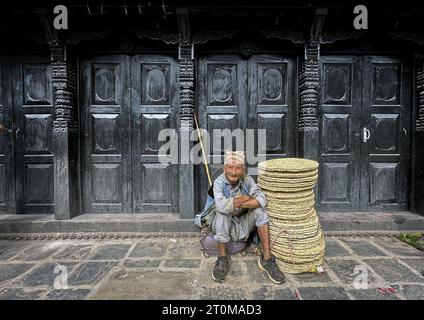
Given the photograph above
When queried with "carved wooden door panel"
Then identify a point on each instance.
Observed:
(364, 126)
(126, 102)
(385, 123)
(105, 126)
(33, 113)
(154, 107)
(222, 104)
(338, 185)
(254, 93)
(272, 103)
(7, 171)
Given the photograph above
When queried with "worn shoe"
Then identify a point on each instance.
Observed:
(272, 270)
(222, 266)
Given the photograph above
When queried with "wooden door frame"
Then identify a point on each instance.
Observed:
(8, 121)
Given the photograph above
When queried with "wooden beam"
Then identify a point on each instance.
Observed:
(183, 19)
(317, 24)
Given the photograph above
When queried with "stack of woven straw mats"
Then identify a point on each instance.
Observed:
(296, 236)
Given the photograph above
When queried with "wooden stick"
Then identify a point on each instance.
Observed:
(203, 150)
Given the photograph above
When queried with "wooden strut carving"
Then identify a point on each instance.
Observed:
(63, 77)
(186, 83)
(64, 86)
(309, 88)
(419, 124)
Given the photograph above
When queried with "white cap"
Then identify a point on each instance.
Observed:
(236, 155)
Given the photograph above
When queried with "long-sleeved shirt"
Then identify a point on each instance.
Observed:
(224, 193)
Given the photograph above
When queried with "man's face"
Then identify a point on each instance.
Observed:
(233, 171)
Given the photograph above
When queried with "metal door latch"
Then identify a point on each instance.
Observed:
(366, 134)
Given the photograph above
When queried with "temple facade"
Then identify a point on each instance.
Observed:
(83, 107)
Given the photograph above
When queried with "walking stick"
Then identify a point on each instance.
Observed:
(203, 150)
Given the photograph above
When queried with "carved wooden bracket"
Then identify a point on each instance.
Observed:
(183, 25)
(54, 38)
(318, 24)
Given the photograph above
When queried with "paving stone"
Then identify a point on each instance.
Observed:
(398, 247)
(334, 249)
(182, 263)
(40, 251)
(20, 294)
(263, 293)
(373, 294)
(8, 249)
(68, 294)
(10, 271)
(284, 294)
(145, 263)
(149, 249)
(312, 277)
(90, 272)
(184, 248)
(411, 292)
(348, 270)
(45, 275)
(324, 293)
(111, 252)
(146, 284)
(392, 271)
(223, 293)
(236, 269)
(74, 252)
(417, 264)
(363, 248)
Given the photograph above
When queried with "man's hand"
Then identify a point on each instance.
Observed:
(238, 201)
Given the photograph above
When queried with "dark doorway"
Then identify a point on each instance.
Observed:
(248, 93)
(126, 101)
(26, 157)
(364, 133)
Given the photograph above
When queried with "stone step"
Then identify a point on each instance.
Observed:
(169, 223)
(378, 221)
(45, 223)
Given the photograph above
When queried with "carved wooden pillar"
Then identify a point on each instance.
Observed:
(64, 138)
(419, 125)
(309, 86)
(418, 139)
(65, 141)
(186, 125)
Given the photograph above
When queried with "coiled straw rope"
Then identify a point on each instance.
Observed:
(297, 240)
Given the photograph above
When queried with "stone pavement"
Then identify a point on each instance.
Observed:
(174, 268)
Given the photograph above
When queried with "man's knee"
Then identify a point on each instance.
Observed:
(261, 216)
(221, 227)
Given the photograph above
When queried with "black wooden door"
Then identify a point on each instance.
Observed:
(7, 169)
(340, 123)
(272, 103)
(222, 104)
(364, 121)
(33, 118)
(126, 102)
(385, 136)
(254, 93)
(105, 128)
(154, 106)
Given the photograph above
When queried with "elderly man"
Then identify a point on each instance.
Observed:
(240, 206)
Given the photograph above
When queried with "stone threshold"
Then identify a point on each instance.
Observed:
(332, 222)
